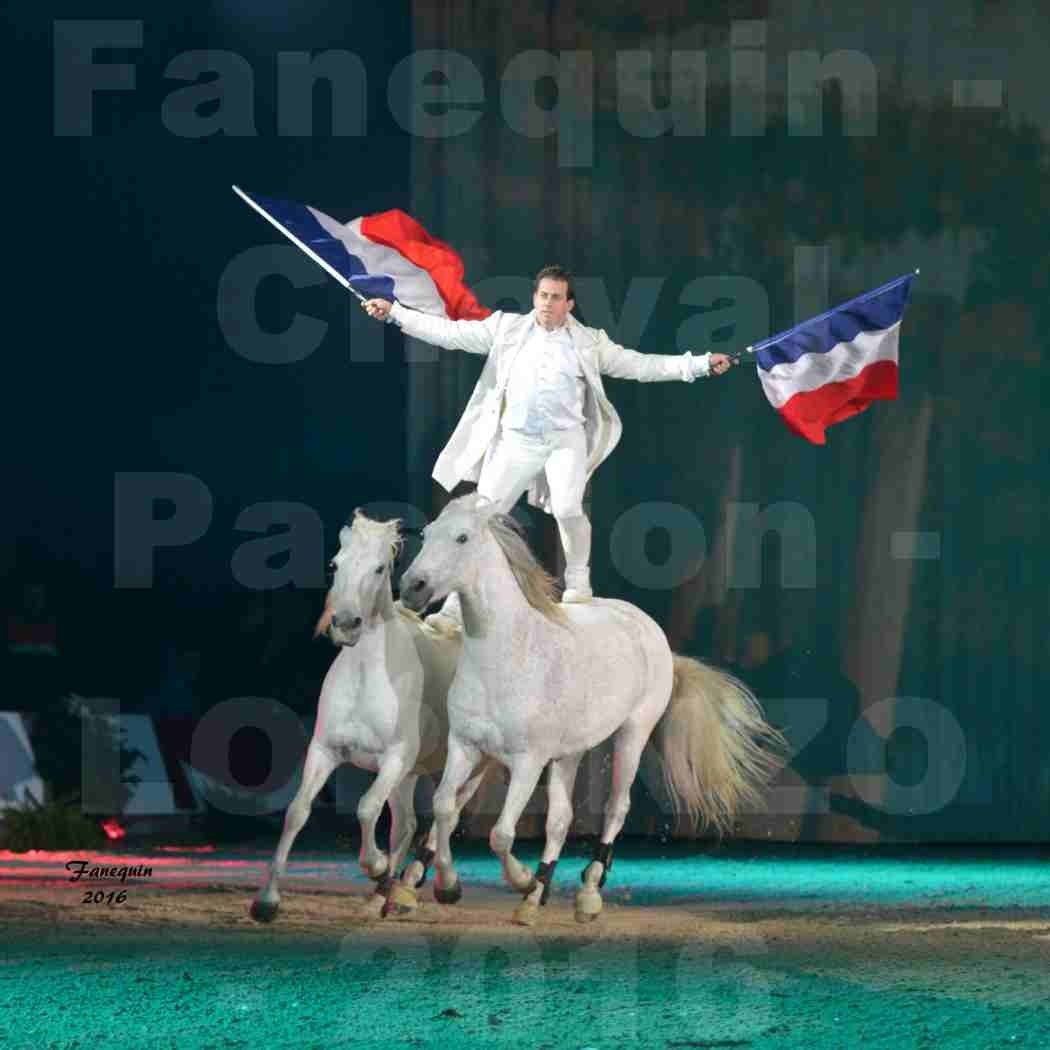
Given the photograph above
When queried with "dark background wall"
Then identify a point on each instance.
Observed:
(900, 606)
(134, 292)
(134, 289)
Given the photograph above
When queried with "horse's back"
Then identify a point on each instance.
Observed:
(603, 620)
(597, 610)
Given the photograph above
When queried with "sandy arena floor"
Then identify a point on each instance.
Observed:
(770, 949)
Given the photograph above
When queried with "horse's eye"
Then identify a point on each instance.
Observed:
(331, 568)
(379, 571)
(461, 538)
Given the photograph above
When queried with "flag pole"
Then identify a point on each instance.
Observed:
(755, 347)
(298, 243)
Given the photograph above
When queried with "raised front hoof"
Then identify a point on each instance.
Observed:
(402, 901)
(450, 895)
(588, 905)
(527, 913)
(263, 911)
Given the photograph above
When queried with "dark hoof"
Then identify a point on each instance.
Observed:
(262, 911)
(449, 896)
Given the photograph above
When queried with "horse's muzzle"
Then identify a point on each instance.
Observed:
(345, 630)
(415, 593)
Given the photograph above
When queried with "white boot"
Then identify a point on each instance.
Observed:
(449, 617)
(575, 535)
(577, 585)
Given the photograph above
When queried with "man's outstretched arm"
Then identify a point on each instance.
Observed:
(620, 363)
(475, 337)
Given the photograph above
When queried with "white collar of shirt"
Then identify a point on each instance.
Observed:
(563, 329)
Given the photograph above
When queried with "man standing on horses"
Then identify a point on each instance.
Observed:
(539, 420)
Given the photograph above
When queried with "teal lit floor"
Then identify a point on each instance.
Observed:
(765, 947)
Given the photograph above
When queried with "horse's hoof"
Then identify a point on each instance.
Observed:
(375, 905)
(527, 913)
(450, 895)
(377, 872)
(264, 911)
(402, 901)
(588, 905)
(525, 886)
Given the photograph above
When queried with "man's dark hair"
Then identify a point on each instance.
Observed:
(556, 273)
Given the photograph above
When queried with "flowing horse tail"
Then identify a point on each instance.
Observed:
(718, 750)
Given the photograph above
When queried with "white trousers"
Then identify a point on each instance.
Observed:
(517, 458)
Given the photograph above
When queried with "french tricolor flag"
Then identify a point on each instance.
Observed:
(833, 366)
(387, 256)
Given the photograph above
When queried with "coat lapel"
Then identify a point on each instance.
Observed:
(510, 356)
(462, 457)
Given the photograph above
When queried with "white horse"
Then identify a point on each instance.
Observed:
(382, 708)
(540, 683)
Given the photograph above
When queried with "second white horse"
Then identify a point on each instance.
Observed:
(382, 708)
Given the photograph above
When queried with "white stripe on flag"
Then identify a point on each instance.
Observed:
(413, 286)
(844, 361)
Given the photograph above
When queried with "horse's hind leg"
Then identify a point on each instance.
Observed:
(316, 770)
(627, 752)
(560, 781)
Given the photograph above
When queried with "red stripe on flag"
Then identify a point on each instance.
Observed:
(400, 231)
(810, 413)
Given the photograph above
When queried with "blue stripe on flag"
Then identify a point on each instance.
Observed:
(870, 312)
(298, 220)
(374, 285)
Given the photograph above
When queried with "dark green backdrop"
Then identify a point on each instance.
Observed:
(897, 632)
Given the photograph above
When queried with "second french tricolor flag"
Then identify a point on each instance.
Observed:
(389, 255)
(833, 366)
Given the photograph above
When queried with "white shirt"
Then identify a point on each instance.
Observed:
(546, 387)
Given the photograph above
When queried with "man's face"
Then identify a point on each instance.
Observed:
(551, 302)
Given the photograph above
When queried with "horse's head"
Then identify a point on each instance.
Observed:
(448, 560)
(468, 538)
(360, 578)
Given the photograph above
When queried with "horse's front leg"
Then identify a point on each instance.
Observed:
(403, 821)
(524, 776)
(460, 764)
(374, 863)
(316, 770)
(404, 898)
(559, 818)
